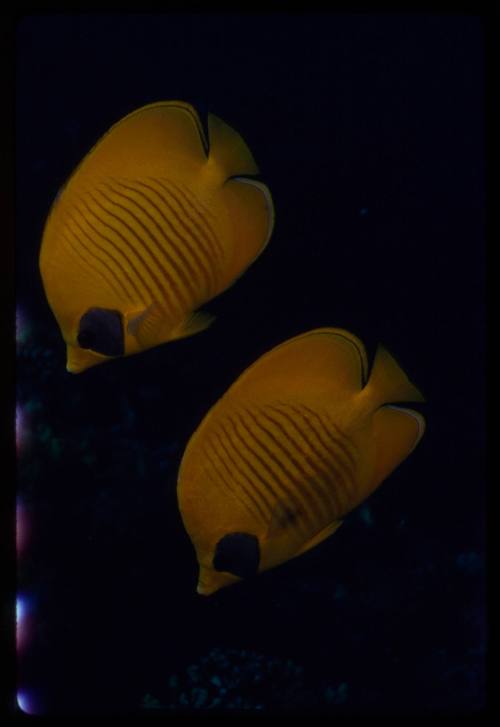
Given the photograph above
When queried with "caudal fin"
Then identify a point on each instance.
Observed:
(388, 383)
(228, 150)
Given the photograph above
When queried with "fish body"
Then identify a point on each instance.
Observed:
(298, 441)
(156, 220)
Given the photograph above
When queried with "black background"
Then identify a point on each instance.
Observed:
(368, 130)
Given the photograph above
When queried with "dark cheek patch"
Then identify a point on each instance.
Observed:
(101, 330)
(239, 554)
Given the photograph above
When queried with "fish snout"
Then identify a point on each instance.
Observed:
(80, 359)
(210, 581)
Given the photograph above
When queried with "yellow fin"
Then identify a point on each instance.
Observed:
(330, 362)
(145, 141)
(396, 431)
(228, 151)
(388, 383)
(251, 211)
(319, 537)
(135, 319)
(196, 322)
(150, 326)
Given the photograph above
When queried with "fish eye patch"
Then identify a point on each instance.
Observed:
(101, 330)
(239, 554)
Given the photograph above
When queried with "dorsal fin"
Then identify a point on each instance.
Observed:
(145, 142)
(331, 361)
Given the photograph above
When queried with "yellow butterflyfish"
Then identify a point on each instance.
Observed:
(156, 220)
(298, 441)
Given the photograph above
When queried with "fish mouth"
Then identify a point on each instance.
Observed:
(204, 590)
(80, 359)
(210, 581)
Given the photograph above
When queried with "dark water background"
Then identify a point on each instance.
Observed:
(368, 130)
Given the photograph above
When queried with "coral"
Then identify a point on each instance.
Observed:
(232, 679)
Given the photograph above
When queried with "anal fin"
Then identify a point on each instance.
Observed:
(396, 431)
(149, 326)
(250, 207)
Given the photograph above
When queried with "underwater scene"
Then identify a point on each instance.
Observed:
(250, 364)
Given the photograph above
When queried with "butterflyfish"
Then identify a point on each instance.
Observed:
(300, 439)
(157, 219)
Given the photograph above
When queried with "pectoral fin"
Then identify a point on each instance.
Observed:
(149, 326)
(134, 320)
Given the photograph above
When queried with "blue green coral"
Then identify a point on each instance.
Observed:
(232, 679)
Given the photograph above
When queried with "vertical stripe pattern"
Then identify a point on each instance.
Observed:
(149, 240)
(284, 457)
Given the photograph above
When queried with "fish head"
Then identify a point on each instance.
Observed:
(224, 533)
(96, 336)
(241, 556)
(102, 334)
(235, 557)
(210, 580)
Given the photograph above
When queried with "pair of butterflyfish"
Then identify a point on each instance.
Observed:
(161, 216)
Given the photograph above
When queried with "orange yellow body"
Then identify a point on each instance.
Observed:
(298, 441)
(154, 222)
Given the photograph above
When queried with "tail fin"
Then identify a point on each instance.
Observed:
(388, 383)
(228, 151)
